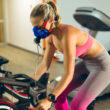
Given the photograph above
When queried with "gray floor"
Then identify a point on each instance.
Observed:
(21, 61)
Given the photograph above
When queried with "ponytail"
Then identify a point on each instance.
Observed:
(57, 16)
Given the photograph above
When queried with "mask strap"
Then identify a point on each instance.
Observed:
(48, 10)
(51, 27)
(47, 17)
(44, 25)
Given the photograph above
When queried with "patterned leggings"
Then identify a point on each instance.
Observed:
(97, 70)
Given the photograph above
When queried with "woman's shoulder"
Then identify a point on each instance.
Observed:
(66, 25)
(67, 28)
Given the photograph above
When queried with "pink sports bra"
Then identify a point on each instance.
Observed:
(81, 50)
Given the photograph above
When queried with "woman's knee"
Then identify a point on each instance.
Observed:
(77, 105)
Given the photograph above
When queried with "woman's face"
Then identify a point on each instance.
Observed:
(38, 21)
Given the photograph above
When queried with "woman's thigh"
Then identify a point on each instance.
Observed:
(95, 83)
(80, 73)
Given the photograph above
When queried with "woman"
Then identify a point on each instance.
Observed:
(72, 42)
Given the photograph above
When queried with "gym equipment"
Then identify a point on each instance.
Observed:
(95, 21)
(32, 91)
(92, 19)
(26, 90)
(3, 61)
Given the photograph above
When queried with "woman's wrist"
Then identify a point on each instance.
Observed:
(51, 97)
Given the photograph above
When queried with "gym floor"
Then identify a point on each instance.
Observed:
(21, 61)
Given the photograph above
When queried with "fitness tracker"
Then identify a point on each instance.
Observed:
(52, 98)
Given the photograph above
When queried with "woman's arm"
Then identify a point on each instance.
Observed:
(69, 63)
(47, 58)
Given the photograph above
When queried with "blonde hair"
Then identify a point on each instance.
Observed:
(41, 10)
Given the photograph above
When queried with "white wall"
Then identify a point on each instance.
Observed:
(17, 16)
(5, 12)
(18, 29)
(67, 8)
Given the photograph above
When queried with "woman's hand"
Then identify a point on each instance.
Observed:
(44, 104)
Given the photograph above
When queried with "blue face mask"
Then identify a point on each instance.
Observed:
(41, 33)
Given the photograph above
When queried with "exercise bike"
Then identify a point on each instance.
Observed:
(26, 90)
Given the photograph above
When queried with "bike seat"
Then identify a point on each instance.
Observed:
(92, 18)
(3, 60)
(22, 77)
